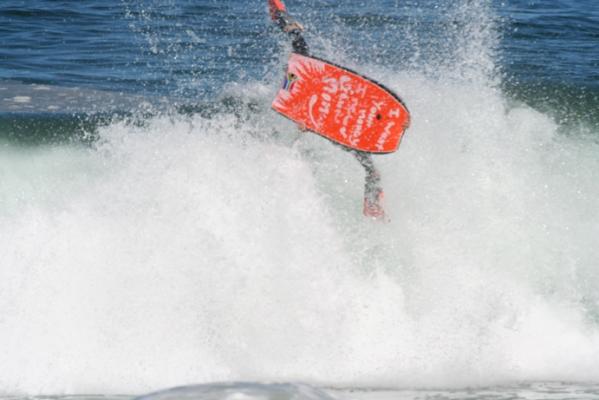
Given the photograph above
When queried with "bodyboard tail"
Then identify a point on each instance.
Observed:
(341, 105)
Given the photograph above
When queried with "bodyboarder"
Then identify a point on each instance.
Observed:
(373, 192)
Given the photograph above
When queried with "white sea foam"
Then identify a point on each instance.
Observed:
(21, 99)
(194, 250)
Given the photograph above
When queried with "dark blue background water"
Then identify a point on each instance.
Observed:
(547, 52)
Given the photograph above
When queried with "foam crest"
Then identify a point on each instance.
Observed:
(197, 247)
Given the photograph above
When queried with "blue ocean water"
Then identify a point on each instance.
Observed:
(160, 225)
(188, 48)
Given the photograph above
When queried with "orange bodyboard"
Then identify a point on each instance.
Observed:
(342, 105)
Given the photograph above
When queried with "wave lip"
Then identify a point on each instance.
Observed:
(240, 391)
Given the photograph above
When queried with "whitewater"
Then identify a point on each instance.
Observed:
(218, 246)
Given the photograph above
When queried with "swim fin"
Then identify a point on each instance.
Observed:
(276, 7)
(373, 204)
